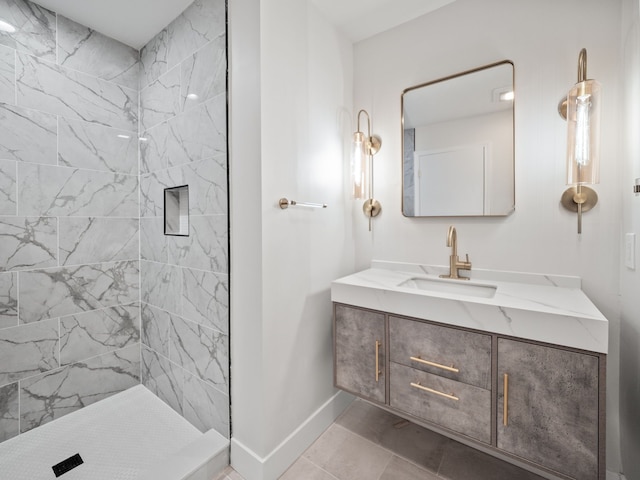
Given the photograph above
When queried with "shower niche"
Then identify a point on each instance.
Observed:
(176, 211)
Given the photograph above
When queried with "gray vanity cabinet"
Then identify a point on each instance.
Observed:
(541, 405)
(360, 344)
(552, 407)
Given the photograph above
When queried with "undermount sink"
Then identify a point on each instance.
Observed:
(456, 287)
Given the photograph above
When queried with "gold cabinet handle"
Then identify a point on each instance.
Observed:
(433, 364)
(505, 410)
(378, 344)
(430, 390)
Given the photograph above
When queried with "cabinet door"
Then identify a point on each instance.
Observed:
(359, 355)
(551, 414)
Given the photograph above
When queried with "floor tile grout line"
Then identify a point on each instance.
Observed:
(422, 467)
(387, 464)
(316, 465)
(444, 453)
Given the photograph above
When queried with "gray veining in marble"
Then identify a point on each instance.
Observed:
(8, 299)
(163, 378)
(197, 134)
(154, 152)
(7, 75)
(207, 187)
(58, 90)
(201, 351)
(155, 329)
(96, 147)
(49, 191)
(61, 291)
(160, 285)
(8, 177)
(93, 333)
(153, 243)
(27, 350)
(28, 242)
(53, 394)
(153, 59)
(95, 240)
(204, 74)
(207, 246)
(86, 50)
(205, 407)
(28, 135)
(9, 412)
(205, 298)
(160, 101)
(35, 28)
(200, 23)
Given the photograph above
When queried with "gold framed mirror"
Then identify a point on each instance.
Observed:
(458, 144)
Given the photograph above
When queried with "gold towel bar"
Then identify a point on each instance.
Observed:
(285, 203)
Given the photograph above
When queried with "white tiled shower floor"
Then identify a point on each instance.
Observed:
(118, 438)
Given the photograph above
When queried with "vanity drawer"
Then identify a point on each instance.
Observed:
(447, 352)
(464, 408)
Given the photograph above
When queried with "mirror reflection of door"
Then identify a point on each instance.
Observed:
(463, 127)
(451, 181)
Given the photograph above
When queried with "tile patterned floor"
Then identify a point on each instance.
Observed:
(368, 443)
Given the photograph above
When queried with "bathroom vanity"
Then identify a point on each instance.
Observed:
(511, 363)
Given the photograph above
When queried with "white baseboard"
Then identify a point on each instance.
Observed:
(254, 467)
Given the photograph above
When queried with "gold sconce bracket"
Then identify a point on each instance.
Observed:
(374, 144)
(582, 76)
(579, 199)
(562, 108)
(571, 199)
(371, 208)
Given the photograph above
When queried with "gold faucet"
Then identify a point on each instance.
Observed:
(454, 262)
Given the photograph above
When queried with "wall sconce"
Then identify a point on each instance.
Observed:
(363, 150)
(581, 109)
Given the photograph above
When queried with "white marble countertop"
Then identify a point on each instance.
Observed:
(545, 308)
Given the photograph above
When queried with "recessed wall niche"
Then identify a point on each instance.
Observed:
(176, 211)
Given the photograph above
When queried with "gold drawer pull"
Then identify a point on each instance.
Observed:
(378, 372)
(505, 410)
(437, 365)
(427, 389)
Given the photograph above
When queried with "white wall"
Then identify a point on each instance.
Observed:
(306, 98)
(630, 279)
(295, 95)
(245, 221)
(543, 40)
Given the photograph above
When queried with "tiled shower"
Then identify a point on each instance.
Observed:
(94, 298)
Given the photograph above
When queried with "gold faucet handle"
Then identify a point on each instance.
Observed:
(467, 264)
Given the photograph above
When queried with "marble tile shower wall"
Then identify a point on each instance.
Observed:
(184, 280)
(69, 221)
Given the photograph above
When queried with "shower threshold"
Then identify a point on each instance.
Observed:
(132, 435)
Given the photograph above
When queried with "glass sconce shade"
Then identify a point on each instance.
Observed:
(583, 133)
(360, 166)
